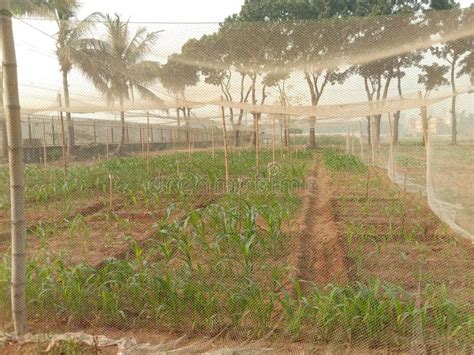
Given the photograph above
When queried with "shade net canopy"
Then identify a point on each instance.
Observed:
(286, 183)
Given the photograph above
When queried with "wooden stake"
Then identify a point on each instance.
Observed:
(372, 138)
(424, 121)
(347, 142)
(361, 137)
(110, 192)
(213, 143)
(29, 129)
(391, 165)
(257, 143)
(224, 133)
(273, 138)
(189, 141)
(95, 132)
(107, 142)
(148, 142)
(52, 131)
(45, 151)
(352, 143)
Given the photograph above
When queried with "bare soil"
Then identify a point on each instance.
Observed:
(318, 254)
(394, 236)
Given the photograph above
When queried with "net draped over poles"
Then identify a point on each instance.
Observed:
(181, 181)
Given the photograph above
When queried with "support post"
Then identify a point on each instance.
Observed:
(52, 131)
(273, 139)
(107, 141)
(11, 105)
(45, 149)
(213, 143)
(224, 133)
(257, 142)
(148, 142)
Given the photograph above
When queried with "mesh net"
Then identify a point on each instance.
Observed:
(292, 184)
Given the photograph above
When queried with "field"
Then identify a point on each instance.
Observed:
(318, 249)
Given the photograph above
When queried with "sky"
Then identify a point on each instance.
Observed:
(39, 75)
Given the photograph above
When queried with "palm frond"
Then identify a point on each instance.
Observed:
(147, 93)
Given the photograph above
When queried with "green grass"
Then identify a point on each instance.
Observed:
(338, 161)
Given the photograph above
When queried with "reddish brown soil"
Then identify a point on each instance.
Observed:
(394, 236)
(318, 254)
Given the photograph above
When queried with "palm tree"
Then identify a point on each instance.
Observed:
(116, 64)
(70, 32)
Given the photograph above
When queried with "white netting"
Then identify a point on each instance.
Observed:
(301, 171)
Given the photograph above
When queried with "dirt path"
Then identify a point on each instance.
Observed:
(320, 255)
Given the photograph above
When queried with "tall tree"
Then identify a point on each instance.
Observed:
(303, 43)
(403, 61)
(385, 21)
(117, 64)
(212, 54)
(176, 76)
(453, 52)
(70, 32)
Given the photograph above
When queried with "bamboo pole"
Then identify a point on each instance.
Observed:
(11, 105)
(45, 149)
(63, 135)
(95, 132)
(173, 138)
(273, 138)
(213, 143)
(141, 139)
(361, 137)
(188, 135)
(391, 166)
(257, 143)
(53, 132)
(148, 142)
(424, 120)
(107, 141)
(347, 143)
(372, 137)
(110, 192)
(352, 142)
(226, 158)
(29, 129)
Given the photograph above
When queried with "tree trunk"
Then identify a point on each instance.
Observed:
(396, 127)
(237, 136)
(70, 127)
(16, 169)
(454, 131)
(454, 124)
(369, 132)
(396, 118)
(312, 132)
(121, 145)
